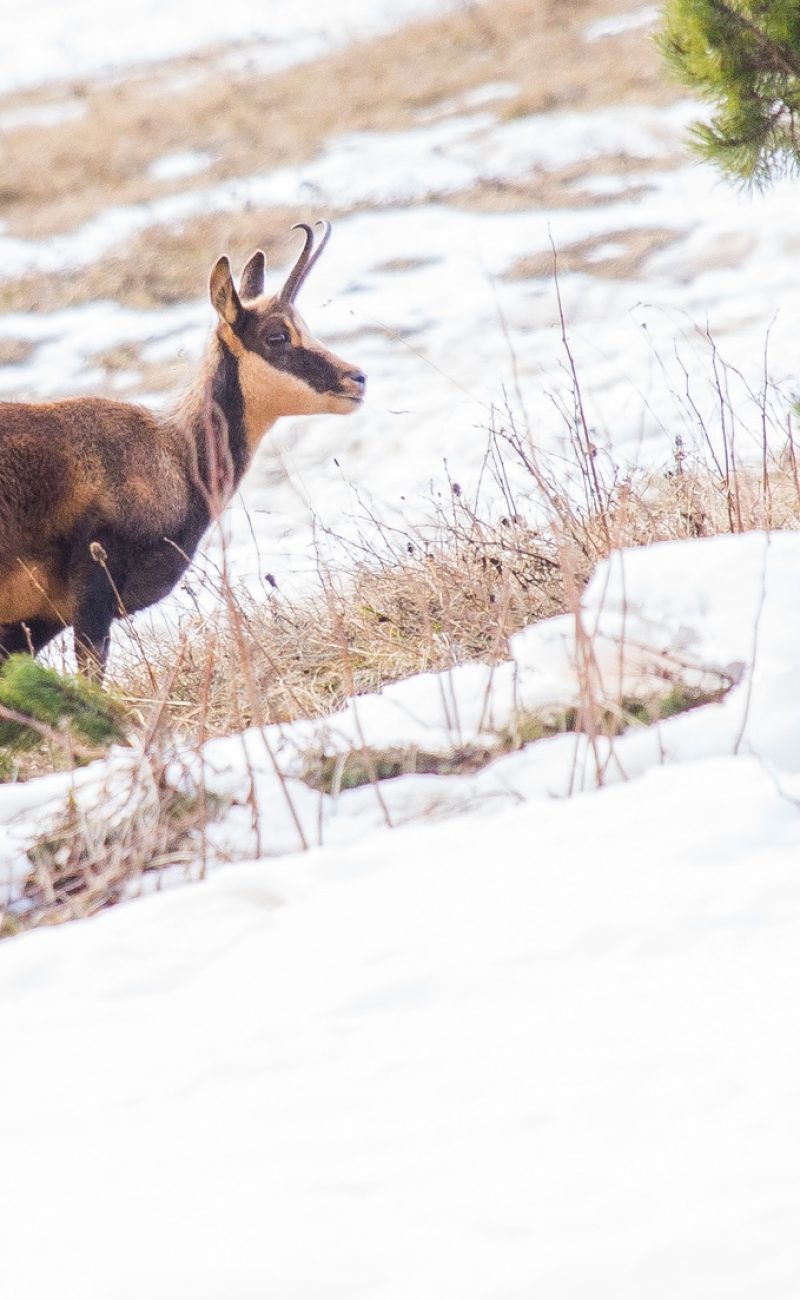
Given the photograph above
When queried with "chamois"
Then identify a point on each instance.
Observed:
(103, 503)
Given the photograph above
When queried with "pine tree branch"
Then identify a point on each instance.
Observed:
(781, 56)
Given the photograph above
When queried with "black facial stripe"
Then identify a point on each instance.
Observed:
(314, 369)
(309, 366)
(227, 393)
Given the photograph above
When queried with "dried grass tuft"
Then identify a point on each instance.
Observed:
(426, 606)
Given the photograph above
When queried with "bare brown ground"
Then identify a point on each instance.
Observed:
(617, 254)
(142, 376)
(564, 187)
(160, 267)
(13, 352)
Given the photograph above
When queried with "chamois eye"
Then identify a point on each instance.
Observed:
(277, 338)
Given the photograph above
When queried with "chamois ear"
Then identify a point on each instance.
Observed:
(251, 281)
(223, 293)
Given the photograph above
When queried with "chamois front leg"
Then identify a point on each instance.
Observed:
(27, 638)
(97, 579)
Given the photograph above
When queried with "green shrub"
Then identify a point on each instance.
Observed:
(61, 703)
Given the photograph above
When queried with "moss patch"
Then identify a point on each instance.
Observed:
(35, 695)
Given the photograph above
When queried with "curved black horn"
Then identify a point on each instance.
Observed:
(305, 261)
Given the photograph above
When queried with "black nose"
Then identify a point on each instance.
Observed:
(357, 377)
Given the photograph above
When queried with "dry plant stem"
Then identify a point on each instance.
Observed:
(432, 597)
(218, 490)
(201, 739)
(246, 665)
(588, 448)
(36, 584)
(730, 440)
(697, 420)
(348, 674)
(61, 739)
(158, 715)
(500, 649)
(509, 342)
(590, 707)
(792, 455)
(756, 630)
(86, 862)
(766, 488)
(427, 600)
(590, 692)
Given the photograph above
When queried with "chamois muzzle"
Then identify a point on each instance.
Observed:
(354, 384)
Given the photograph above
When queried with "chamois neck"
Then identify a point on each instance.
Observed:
(215, 415)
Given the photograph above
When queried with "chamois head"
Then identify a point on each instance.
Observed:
(283, 369)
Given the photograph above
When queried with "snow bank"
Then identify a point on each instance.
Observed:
(548, 1051)
(735, 623)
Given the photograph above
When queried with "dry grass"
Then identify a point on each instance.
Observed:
(164, 266)
(422, 607)
(426, 602)
(616, 255)
(127, 372)
(15, 352)
(89, 860)
(559, 187)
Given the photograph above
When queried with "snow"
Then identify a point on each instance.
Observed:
(65, 339)
(647, 629)
(621, 23)
(57, 42)
(178, 166)
(527, 1031)
(544, 1051)
(42, 115)
(730, 627)
(490, 93)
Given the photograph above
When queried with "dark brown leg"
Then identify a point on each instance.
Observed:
(27, 638)
(99, 578)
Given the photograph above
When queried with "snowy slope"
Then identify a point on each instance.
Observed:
(546, 1048)
(494, 1036)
